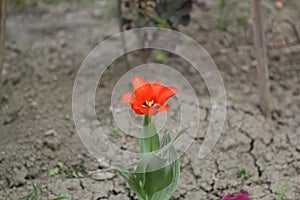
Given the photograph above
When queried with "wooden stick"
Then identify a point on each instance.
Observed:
(261, 56)
(2, 40)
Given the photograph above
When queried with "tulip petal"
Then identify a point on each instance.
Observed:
(165, 93)
(156, 87)
(127, 98)
(138, 82)
(164, 109)
(151, 111)
(144, 93)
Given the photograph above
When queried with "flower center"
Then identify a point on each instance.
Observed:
(148, 103)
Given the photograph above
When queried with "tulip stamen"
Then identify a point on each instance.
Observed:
(148, 103)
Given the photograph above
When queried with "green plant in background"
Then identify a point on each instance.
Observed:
(161, 57)
(116, 131)
(233, 14)
(163, 14)
(57, 170)
(282, 193)
(35, 195)
(74, 174)
(243, 173)
(60, 167)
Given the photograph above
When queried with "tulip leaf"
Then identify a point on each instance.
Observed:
(131, 180)
(168, 145)
(149, 140)
(36, 192)
(27, 197)
(154, 174)
(172, 157)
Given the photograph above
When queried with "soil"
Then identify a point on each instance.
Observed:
(43, 54)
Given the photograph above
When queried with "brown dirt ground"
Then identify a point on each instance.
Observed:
(43, 54)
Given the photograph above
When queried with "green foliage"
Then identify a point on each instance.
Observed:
(116, 131)
(63, 197)
(162, 14)
(154, 174)
(57, 170)
(69, 173)
(243, 173)
(173, 159)
(282, 193)
(131, 180)
(233, 14)
(157, 174)
(161, 57)
(35, 195)
(27, 197)
(74, 174)
(42, 157)
(53, 172)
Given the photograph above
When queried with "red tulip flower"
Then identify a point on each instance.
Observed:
(149, 98)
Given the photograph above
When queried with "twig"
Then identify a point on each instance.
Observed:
(261, 55)
(2, 40)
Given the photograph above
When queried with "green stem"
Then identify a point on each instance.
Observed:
(151, 133)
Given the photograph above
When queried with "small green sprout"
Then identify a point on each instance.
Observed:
(35, 195)
(282, 193)
(243, 173)
(57, 170)
(161, 57)
(74, 174)
(116, 131)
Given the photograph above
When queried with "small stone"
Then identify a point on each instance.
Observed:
(67, 117)
(34, 104)
(51, 132)
(101, 176)
(53, 143)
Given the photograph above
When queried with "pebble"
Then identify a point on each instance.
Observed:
(101, 176)
(50, 132)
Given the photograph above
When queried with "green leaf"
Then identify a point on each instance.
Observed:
(27, 197)
(74, 174)
(80, 175)
(60, 165)
(282, 193)
(167, 146)
(154, 174)
(222, 5)
(172, 157)
(149, 140)
(63, 197)
(243, 173)
(131, 180)
(160, 22)
(36, 192)
(161, 57)
(54, 171)
(116, 131)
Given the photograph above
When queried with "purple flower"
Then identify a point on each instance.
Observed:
(242, 196)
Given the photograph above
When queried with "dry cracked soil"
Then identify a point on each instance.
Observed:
(43, 54)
